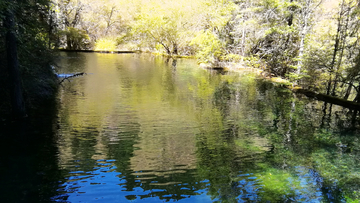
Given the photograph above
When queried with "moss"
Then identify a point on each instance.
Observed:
(278, 185)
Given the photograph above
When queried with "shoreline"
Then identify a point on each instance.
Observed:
(240, 67)
(96, 51)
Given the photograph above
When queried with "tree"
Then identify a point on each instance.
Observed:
(213, 28)
(210, 49)
(17, 101)
(24, 48)
(344, 20)
(70, 19)
(165, 25)
(159, 29)
(307, 10)
(76, 39)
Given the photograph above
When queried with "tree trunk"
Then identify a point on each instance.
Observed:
(17, 101)
(329, 84)
(243, 37)
(291, 17)
(301, 49)
(336, 49)
(108, 20)
(355, 105)
(166, 48)
(175, 49)
(342, 48)
(50, 29)
(357, 98)
(348, 90)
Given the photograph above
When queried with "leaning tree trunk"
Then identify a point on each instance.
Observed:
(17, 101)
(348, 90)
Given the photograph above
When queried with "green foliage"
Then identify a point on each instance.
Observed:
(278, 185)
(76, 39)
(209, 47)
(246, 144)
(296, 40)
(233, 58)
(163, 24)
(33, 33)
(158, 29)
(295, 76)
(278, 49)
(352, 197)
(217, 13)
(252, 61)
(105, 44)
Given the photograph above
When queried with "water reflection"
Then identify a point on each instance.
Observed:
(29, 170)
(145, 128)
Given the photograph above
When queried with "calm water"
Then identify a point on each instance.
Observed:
(139, 128)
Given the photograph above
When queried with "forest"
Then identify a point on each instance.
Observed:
(312, 43)
(158, 126)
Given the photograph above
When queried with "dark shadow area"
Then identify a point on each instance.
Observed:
(29, 170)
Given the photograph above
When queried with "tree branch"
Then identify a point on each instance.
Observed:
(67, 78)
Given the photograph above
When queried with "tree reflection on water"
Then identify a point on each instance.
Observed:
(139, 128)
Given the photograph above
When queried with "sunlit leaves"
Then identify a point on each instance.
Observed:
(210, 48)
(168, 24)
(105, 45)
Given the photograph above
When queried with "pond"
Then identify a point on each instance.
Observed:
(141, 128)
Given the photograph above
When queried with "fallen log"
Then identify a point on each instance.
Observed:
(329, 99)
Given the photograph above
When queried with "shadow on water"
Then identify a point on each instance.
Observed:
(29, 170)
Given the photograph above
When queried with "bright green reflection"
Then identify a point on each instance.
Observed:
(170, 130)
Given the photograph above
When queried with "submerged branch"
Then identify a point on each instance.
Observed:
(71, 76)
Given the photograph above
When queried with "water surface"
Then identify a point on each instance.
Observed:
(139, 128)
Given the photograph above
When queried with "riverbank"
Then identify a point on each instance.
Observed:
(237, 67)
(101, 51)
(140, 113)
(227, 66)
(127, 52)
(39, 85)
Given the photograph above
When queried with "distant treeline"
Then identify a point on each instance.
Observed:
(314, 43)
(307, 41)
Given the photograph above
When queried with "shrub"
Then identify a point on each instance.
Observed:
(76, 39)
(105, 44)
